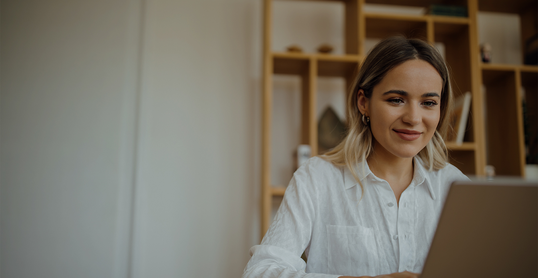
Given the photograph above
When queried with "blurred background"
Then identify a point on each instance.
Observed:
(130, 131)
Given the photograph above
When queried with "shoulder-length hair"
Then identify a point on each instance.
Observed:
(389, 53)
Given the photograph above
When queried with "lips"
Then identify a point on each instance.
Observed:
(407, 134)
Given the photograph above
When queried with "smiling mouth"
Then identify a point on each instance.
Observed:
(408, 135)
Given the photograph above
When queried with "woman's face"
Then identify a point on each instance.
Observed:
(404, 108)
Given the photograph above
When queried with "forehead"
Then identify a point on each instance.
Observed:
(413, 76)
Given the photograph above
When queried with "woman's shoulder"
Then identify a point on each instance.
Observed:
(319, 171)
(448, 172)
(440, 180)
(452, 172)
(318, 166)
(445, 176)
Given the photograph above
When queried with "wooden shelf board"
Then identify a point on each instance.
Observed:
(465, 146)
(529, 68)
(422, 18)
(394, 17)
(292, 55)
(412, 3)
(314, 0)
(318, 56)
(449, 19)
(342, 58)
(496, 72)
(512, 6)
(328, 64)
(278, 190)
(499, 67)
(508, 67)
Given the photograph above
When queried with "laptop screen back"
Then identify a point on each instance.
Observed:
(486, 229)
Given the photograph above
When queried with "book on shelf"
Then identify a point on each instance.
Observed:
(447, 10)
(458, 118)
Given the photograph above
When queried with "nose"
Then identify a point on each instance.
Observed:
(412, 115)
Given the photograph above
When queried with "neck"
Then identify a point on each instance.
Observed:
(389, 167)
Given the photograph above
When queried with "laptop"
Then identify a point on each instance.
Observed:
(488, 228)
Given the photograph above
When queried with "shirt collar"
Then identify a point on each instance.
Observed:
(420, 176)
(363, 171)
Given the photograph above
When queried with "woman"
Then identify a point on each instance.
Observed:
(370, 206)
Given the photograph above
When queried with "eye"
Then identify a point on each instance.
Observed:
(395, 100)
(429, 103)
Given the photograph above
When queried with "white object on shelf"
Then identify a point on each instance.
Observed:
(303, 154)
(531, 172)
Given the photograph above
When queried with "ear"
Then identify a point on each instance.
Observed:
(362, 102)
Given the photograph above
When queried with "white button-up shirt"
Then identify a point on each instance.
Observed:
(323, 215)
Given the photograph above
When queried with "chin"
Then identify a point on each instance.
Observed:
(406, 153)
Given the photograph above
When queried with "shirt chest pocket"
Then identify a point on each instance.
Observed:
(352, 250)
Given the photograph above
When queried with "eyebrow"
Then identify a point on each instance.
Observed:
(404, 93)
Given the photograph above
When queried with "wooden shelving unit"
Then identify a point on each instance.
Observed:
(460, 38)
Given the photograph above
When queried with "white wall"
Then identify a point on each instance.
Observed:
(66, 110)
(200, 116)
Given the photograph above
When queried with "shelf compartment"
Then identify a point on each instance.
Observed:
(503, 121)
(315, 22)
(512, 6)
(464, 160)
(380, 26)
(455, 38)
(337, 68)
(292, 63)
(494, 73)
(449, 28)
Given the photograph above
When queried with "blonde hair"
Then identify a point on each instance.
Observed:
(389, 53)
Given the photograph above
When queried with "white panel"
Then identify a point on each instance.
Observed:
(200, 111)
(66, 86)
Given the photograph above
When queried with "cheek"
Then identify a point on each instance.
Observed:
(381, 123)
(383, 116)
(432, 121)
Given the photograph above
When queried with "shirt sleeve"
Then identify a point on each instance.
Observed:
(279, 254)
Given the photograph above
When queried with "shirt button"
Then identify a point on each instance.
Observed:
(395, 237)
(390, 204)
